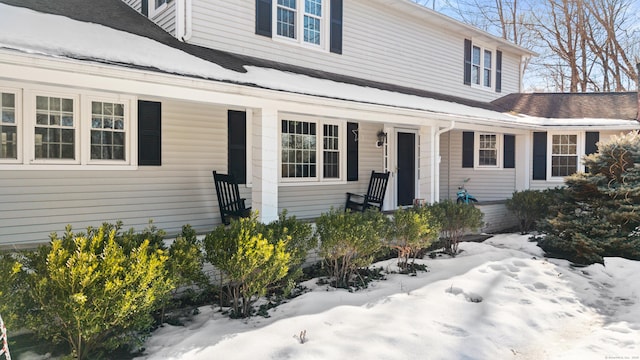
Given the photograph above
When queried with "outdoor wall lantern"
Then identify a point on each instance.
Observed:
(382, 138)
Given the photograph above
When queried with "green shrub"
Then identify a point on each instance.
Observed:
(248, 261)
(456, 219)
(301, 240)
(411, 230)
(598, 213)
(94, 291)
(186, 259)
(530, 206)
(349, 240)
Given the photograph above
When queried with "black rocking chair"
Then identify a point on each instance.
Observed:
(374, 196)
(231, 205)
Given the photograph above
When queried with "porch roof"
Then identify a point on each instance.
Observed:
(128, 39)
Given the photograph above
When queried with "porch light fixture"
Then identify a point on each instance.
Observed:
(382, 138)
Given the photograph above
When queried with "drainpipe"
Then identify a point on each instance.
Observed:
(184, 20)
(435, 189)
(638, 90)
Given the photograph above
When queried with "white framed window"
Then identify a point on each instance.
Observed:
(311, 151)
(45, 127)
(481, 67)
(301, 21)
(108, 129)
(53, 128)
(488, 150)
(156, 7)
(10, 126)
(564, 155)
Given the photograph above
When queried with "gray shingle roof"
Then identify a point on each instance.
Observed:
(621, 105)
(124, 18)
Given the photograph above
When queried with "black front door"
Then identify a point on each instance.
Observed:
(406, 172)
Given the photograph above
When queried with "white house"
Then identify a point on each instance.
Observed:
(117, 110)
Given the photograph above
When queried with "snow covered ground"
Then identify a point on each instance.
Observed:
(500, 299)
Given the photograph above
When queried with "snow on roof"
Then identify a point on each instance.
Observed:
(57, 36)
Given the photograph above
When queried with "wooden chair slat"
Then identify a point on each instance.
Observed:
(229, 201)
(374, 197)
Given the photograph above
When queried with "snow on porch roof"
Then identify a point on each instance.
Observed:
(80, 29)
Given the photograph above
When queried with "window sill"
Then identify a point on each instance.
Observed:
(311, 183)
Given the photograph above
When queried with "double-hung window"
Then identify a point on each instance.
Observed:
(311, 151)
(9, 135)
(488, 149)
(303, 21)
(55, 128)
(482, 66)
(52, 128)
(564, 154)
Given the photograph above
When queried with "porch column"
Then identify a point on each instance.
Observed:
(264, 193)
(523, 161)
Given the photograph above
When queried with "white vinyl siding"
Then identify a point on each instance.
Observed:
(181, 191)
(230, 26)
(484, 185)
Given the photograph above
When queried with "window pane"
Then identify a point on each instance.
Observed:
(8, 142)
(8, 100)
(286, 23)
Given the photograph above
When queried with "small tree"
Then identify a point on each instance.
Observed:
(248, 260)
(349, 240)
(89, 290)
(456, 219)
(411, 230)
(600, 212)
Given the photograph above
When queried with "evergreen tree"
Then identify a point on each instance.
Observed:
(599, 214)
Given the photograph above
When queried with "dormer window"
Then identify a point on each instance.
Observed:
(313, 23)
(479, 69)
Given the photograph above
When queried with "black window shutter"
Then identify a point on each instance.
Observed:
(590, 147)
(263, 17)
(237, 145)
(467, 62)
(467, 149)
(335, 37)
(352, 151)
(591, 138)
(145, 8)
(149, 133)
(539, 156)
(498, 71)
(509, 151)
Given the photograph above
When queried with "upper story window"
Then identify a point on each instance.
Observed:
(156, 7)
(301, 20)
(313, 23)
(482, 66)
(311, 151)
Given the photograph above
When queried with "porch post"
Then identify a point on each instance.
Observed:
(264, 193)
(523, 161)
